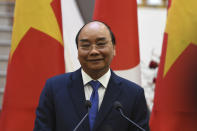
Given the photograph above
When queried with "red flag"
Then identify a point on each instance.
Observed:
(37, 53)
(121, 16)
(175, 102)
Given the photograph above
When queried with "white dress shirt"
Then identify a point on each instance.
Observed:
(104, 80)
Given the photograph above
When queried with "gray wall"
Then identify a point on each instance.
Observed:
(86, 8)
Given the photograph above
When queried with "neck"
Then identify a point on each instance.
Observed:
(95, 75)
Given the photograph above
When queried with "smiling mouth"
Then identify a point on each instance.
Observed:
(95, 60)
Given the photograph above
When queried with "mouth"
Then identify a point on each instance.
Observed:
(95, 60)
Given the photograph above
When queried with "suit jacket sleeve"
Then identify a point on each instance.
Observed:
(45, 114)
(140, 112)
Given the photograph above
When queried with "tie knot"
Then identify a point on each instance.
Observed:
(95, 84)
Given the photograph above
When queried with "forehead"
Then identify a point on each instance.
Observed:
(94, 29)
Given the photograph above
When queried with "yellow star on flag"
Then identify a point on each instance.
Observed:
(181, 29)
(37, 14)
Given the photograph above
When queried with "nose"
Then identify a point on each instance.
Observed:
(94, 50)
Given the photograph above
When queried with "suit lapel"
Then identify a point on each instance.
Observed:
(112, 92)
(78, 96)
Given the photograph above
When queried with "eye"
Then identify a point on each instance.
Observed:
(101, 44)
(85, 46)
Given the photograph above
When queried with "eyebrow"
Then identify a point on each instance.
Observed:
(101, 39)
(84, 40)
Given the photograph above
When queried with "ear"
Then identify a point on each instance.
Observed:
(114, 50)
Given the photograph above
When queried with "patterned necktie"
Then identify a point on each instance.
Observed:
(94, 100)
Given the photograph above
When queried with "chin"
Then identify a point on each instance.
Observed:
(99, 68)
(96, 69)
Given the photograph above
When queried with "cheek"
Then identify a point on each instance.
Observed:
(82, 54)
(80, 57)
(109, 57)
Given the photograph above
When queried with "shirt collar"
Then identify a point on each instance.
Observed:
(104, 80)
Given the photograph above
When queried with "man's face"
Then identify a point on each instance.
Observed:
(95, 48)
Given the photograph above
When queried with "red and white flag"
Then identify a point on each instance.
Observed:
(121, 16)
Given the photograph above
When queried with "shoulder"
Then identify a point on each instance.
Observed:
(59, 82)
(64, 77)
(127, 85)
(131, 90)
(61, 77)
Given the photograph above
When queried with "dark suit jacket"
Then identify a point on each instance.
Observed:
(62, 105)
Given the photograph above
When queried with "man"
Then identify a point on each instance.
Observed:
(62, 102)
